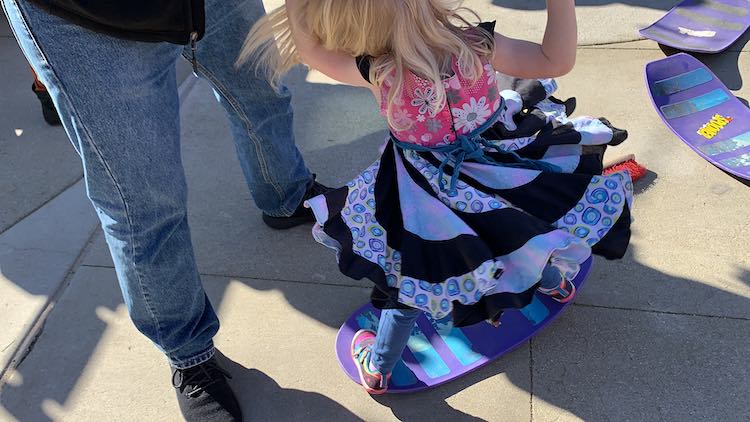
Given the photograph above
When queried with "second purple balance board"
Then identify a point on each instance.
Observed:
(437, 352)
(704, 26)
(701, 111)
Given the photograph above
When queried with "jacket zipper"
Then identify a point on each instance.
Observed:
(193, 60)
(193, 35)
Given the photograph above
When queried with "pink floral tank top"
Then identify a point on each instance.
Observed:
(469, 105)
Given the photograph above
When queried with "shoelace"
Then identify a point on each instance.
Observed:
(192, 381)
(362, 352)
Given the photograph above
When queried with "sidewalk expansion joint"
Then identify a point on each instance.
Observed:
(243, 277)
(316, 283)
(655, 311)
(531, 379)
(26, 345)
(322, 283)
(603, 44)
(32, 211)
(653, 47)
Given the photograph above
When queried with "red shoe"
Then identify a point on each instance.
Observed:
(371, 379)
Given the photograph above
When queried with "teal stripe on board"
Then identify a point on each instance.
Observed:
(428, 358)
(420, 346)
(682, 82)
(535, 311)
(402, 376)
(456, 340)
(729, 145)
(741, 161)
(694, 105)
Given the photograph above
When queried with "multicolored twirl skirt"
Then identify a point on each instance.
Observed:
(481, 248)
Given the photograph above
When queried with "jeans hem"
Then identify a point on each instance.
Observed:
(196, 360)
(283, 211)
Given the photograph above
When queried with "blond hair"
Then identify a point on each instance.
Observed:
(421, 36)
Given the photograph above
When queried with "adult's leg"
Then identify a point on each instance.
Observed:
(118, 103)
(260, 118)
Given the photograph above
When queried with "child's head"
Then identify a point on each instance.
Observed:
(421, 36)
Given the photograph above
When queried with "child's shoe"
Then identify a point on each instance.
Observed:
(371, 379)
(563, 293)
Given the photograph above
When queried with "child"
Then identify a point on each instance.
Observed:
(480, 197)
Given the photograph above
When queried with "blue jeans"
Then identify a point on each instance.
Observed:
(395, 327)
(118, 103)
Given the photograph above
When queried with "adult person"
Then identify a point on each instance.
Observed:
(110, 69)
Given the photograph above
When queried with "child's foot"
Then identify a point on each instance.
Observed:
(563, 293)
(371, 379)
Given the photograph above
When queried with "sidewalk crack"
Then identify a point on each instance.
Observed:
(29, 339)
(63, 190)
(531, 380)
(656, 311)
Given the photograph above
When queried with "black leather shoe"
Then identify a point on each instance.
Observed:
(301, 215)
(204, 394)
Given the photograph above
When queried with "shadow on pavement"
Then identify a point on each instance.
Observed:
(255, 389)
(725, 64)
(637, 342)
(586, 333)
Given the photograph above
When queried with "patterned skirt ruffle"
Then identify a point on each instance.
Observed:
(482, 248)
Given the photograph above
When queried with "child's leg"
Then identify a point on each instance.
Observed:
(376, 355)
(551, 277)
(393, 333)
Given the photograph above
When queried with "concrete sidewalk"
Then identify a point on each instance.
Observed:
(659, 335)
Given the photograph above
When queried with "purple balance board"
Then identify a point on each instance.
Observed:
(701, 111)
(704, 26)
(437, 352)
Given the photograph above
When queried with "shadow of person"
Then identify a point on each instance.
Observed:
(623, 358)
(413, 407)
(625, 344)
(68, 343)
(262, 399)
(617, 332)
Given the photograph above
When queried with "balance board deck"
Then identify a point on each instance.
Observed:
(701, 111)
(437, 352)
(704, 26)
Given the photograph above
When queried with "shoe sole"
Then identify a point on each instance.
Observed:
(283, 223)
(359, 371)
